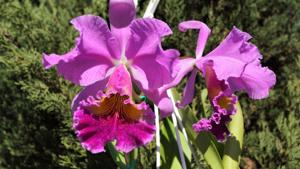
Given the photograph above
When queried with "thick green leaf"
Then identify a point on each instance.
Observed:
(201, 141)
(133, 157)
(233, 146)
(169, 149)
(118, 157)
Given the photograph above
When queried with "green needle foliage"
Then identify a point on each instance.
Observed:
(35, 118)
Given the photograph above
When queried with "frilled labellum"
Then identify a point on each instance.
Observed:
(223, 102)
(112, 115)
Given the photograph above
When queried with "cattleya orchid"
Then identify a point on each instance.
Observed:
(136, 43)
(232, 66)
(103, 61)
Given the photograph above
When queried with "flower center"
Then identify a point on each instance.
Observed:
(112, 105)
(225, 102)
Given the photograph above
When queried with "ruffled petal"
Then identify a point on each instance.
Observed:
(236, 46)
(220, 130)
(93, 54)
(189, 90)
(91, 90)
(255, 80)
(93, 132)
(110, 114)
(231, 56)
(224, 107)
(223, 102)
(224, 67)
(237, 62)
(145, 39)
(132, 135)
(203, 34)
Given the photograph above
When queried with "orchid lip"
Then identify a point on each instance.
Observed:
(111, 104)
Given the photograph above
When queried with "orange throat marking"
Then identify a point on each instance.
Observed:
(114, 104)
(225, 102)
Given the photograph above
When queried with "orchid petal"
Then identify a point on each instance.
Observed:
(120, 81)
(121, 13)
(224, 106)
(255, 80)
(202, 37)
(132, 135)
(93, 132)
(91, 90)
(110, 114)
(180, 68)
(95, 37)
(150, 72)
(151, 65)
(146, 37)
(236, 46)
(237, 61)
(224, 67)
(189, 89)
(92, 56)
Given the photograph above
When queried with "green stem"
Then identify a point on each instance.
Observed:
(133, 155)
(233, 146)
(118, 157)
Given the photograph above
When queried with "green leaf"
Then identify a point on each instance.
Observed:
(201, 141)
(133, 155)
(169, 149)
(205, 104)
(233, 146)
(118, 157)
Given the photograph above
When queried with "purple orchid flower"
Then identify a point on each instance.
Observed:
(135, 43)
(112, 115)
(233, 66)
(103, 61)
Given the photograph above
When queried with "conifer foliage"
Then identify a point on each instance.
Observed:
(35, 116)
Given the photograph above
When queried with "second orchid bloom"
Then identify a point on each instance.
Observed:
(232, 66)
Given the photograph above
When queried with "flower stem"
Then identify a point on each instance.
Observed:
(179, 119)
(133, 155)
(151, 9)
(183, 163)
(182, 159)
(117, 156)
(157, 137)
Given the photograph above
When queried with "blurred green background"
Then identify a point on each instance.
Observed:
(35, 118)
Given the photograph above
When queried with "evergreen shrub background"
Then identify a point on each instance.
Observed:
(35, 118)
